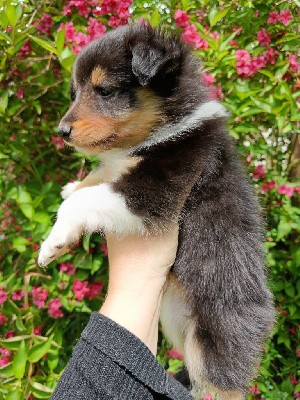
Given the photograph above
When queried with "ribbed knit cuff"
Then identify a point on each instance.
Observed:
(131, 353)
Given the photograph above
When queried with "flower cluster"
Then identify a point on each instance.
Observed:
(248, 65)
(68, 268)
(4, 356)
(189, 34)
(45, 24)
(83, 7)
(284, 17)
(118, 11)
(3, 296)
(95, 30)
(39, 296)
(260, 173)
(82, 289)
(54, 308)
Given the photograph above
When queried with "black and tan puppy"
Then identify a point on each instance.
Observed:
(139, 103)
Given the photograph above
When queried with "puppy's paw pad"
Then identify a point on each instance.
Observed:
(68, 189)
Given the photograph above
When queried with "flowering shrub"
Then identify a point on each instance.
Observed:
(250, 59)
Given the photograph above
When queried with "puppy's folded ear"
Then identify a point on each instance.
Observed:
(149, 62)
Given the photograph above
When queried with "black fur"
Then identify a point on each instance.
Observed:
(198, 180)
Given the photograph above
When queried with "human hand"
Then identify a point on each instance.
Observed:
(138, 268)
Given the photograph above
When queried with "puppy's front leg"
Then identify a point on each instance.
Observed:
(91, 209)
(95, 177)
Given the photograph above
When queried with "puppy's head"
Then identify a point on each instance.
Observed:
(123, 87)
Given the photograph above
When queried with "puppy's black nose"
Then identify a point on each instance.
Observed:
(65, 131)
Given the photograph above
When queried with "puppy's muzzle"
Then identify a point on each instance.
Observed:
(65, 131)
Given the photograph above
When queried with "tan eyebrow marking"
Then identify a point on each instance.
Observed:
(98, 76)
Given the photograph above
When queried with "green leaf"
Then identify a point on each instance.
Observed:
(60, 40)
(3, 100)
(5, 37)
(20, 360)
(42, 217)
(215, 16)
(46, 44)
(14, 342)
(155, 18)
(38, 351)
(40, 391)
(13, 12)
(27, 210)
(19, 244)
(7, 371)
(23, 196)
(14, 394)
(262, 105)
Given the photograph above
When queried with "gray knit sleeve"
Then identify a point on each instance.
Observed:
(109, 362)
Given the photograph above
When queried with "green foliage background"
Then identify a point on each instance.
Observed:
(34, 94)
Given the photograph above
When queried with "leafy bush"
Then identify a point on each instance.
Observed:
(249, 54)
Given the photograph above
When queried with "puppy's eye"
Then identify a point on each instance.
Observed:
(106, 92)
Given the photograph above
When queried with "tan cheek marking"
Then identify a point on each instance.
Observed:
(91, 129)
(98, 76)
(136, 127)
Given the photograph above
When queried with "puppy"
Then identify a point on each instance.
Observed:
(138, 102)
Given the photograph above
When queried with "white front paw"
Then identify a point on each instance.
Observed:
(68, 189)
(66, 231)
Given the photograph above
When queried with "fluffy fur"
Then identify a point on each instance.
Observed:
(139, 103)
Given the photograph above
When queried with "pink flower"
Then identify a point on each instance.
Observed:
(273, 17)
(216, 92)
(237, 29)
(215, 35)
(233, 43)
(5, 352)
(9, 334)
(208, 79)
(181, 18)
(271, 56)
(25, 50)
(45, 24)
(94, 289)
(191, 36)
(38, 330)
(174, 353)
(267, 186)
(3, 319)
(293, 380)
(256, 14)
(20, 94)
(242, 55)
(298, 352)
(285, 17)
(3, 296)
(259, 172)
(294, 66)
(287, 190)
(103, 247)
(207, 397)
(68, 268)
(80, 289)
(95, 29)
(39, 295)
(54, 308)
(4, 361)
(17, 295)
(297, 395)
(297, 189)
(254, 389)
(263, 38)
(58, 142)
